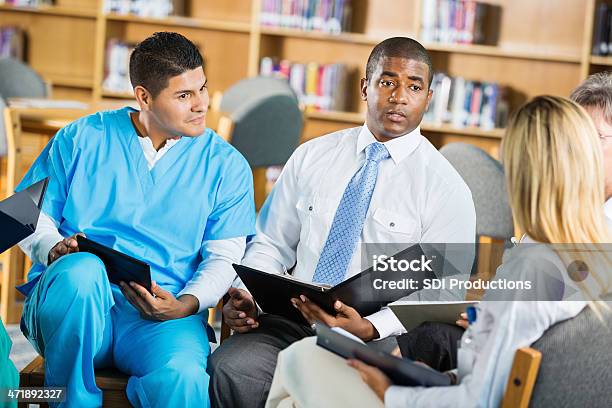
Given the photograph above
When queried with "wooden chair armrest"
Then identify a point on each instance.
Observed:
(522, 378)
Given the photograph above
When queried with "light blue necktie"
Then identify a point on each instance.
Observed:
(348, 221)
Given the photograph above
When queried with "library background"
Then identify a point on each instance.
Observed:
(489, 57)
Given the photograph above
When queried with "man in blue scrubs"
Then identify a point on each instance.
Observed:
(154, 184)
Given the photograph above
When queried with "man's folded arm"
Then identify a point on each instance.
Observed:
(215, 273)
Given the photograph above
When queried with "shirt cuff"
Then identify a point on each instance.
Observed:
(386, 323)
(198, 294)
(396, 396)
(40, 250)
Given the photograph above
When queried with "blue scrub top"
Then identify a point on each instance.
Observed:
(201, 189)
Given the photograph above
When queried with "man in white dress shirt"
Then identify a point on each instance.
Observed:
(595, 95)
(415, 195)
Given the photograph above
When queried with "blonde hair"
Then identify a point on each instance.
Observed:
(554, 171)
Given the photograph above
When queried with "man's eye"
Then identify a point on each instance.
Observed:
(183, 96)
(415, 88)
(386, 83)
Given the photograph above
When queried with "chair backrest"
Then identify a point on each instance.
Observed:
(485, 177)
(18, 80)
(267, 121)
(576, 367)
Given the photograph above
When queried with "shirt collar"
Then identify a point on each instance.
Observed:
(399, 148)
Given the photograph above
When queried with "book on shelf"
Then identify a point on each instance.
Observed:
(27, 3)
(459, 21)
(145, 8)
(463, 103)
(317, 86)
(602, 35)
(116, 70)
(330, 16)
(12, 43)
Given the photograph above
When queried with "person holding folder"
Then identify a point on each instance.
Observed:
(556, 199)
(382, 182)
(156, 185)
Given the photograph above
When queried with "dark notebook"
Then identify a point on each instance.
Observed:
(119, 266)
(273, 292)
(19, 214)
(399, 370)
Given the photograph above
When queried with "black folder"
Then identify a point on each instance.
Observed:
(119, 266)
(19, 214)
(273, 292)
(400, 371)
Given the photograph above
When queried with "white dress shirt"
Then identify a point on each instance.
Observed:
(487, 349)
(419, 197)
(209, 283)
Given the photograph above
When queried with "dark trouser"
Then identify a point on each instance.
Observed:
(241, 369)
(435, 344)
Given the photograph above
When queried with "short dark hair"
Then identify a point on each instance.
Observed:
(402, 47)
(160, 57)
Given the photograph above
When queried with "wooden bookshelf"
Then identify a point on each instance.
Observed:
(602, 61)
(542, 47)
(84, 12)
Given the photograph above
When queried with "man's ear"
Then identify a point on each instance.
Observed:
(363, 91)
(143, 97)
(429, 96)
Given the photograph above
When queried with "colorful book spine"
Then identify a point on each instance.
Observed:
(117, 73)
(454, 21)
(12, 43)
(145, 8)
(317, 86)
(331, 16)
(462, 103)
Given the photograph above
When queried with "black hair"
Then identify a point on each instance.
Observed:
(160, 57)
(402, 47)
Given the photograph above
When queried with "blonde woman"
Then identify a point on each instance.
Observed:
(553, 165)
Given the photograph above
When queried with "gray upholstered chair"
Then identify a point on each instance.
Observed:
(18, 80)
(576, 367)
(569, 366)
(494, 226)
(485, 177)
(267, 121)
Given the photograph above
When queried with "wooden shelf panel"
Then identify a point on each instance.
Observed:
(187, 22)
(117, 95)
(52, 10)
(473, 49)
(599, 60)
(68, 80)
(359, 118)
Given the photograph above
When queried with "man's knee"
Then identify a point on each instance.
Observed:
(186, 371)
(78, 274)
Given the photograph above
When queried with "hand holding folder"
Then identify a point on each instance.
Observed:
(19, 214)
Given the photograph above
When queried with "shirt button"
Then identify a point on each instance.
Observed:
(392, 224)
(310, 208)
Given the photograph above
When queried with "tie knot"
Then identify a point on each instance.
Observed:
(376, 152)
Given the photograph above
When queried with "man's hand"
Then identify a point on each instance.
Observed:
(346, 318)
(65, 246)
(463, 321)
(376, 379)
(161, 307)
(240, 312)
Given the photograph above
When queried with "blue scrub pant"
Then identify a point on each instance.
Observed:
(78, 322)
